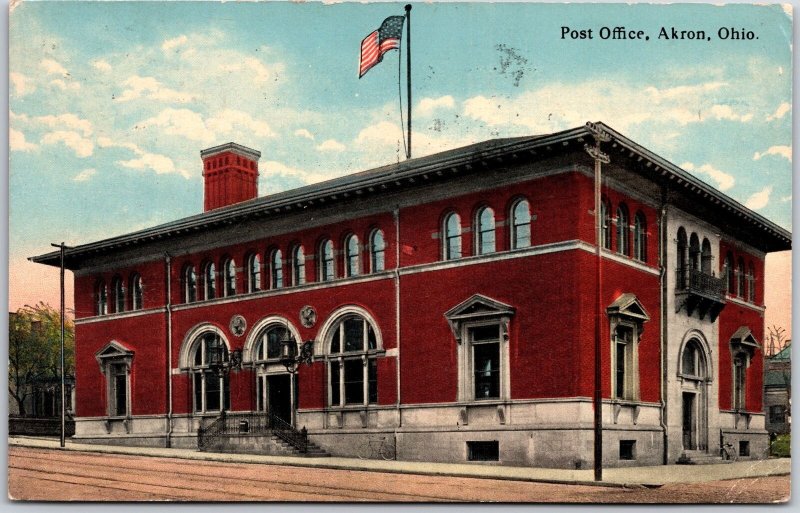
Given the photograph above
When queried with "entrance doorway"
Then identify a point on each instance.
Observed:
(689, 422)
(279, 396)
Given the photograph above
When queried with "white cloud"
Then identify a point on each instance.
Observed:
(726, 112)
(169, 44)
(64, 86)
(101, 65)
(780, 151)
(683, 91)
(159, 163)
(17, 142)
(331, 145)
(783, 109)
(272, 168)
(253, 68)
(759, 199)
(229, 120)
(66, 121)
(83, 147)
(302, 132)
(786, 199)
(52, 67)
(180, 122)
(150, 88)
(724, 180)
(426, 106)
(107, 142)
(22, 85)
(84, 175)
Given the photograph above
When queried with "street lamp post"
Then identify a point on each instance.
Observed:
(600, 158)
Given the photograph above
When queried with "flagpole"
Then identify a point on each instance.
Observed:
(408, 73)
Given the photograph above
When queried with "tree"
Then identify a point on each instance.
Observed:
(34, 349)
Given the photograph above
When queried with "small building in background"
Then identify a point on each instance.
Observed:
(778, 391)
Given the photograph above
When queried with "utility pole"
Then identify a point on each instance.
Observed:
(600, 158)
(62, 248)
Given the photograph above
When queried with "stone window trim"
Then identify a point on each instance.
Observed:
(322, 346)
(626, 311)
(705, 355)
(254, 339)
(108, 357)
(476, 312)
(743, 346)
(199, 374)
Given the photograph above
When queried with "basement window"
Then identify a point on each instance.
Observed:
(627, 449)
(744, 448)
(483, 451)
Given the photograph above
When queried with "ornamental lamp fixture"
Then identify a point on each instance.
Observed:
(289, 357)
(220, 361)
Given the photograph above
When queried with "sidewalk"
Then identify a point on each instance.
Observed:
(633, 476)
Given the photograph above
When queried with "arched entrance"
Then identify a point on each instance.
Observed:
(694, 375)
(275, 387)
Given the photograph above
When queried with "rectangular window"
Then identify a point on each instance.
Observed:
(353, 382)
(373, 381)
(486, 365)
(120, 393)
(212, 391)
(744, 448)
(620, 384)
(777, 414)
(627, 449)
(483, 451)
(335, 399)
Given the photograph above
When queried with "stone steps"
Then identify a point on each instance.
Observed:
(700, 458)
(265, 444)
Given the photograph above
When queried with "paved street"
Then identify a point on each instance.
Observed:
(46, 474)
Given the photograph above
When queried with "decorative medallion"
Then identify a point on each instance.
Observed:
(308, 316)
(238, 325)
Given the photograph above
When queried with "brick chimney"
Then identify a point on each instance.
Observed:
(230, 172)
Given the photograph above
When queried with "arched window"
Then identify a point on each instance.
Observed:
(520, 224)
(118, 292)
(683, 259)
(210, 280)
(705, 257)
(452, 236)
(269, 343)
(298, 265)
(189, 284)
(694, 252)
(276, 266)
(377, 250)
(101, 298)
(253, 273)
(327, 269)
(728, 273)
(623, 230)
(484, 231)
(740, 278)
(229, 273)
(211, 392)
(352, 361)
(605, 218)
(692, 360)
(351, 257)
(751, 283)
(640, 237)
(137, 292)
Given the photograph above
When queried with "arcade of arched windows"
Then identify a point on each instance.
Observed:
(278, 268)
(122, 296)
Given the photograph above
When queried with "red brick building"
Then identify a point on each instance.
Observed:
(451, 303)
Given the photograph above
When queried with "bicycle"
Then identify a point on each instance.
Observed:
(727, 452)
(373, 448)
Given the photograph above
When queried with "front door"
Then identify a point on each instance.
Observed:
(279, 396)
(689, 424)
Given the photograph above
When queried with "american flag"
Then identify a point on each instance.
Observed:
(379, 42)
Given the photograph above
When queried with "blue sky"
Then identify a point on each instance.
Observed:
(111, 102)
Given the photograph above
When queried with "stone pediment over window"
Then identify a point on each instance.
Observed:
(477, 308)
(628, 305)
(113, 351)
(743, 340)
